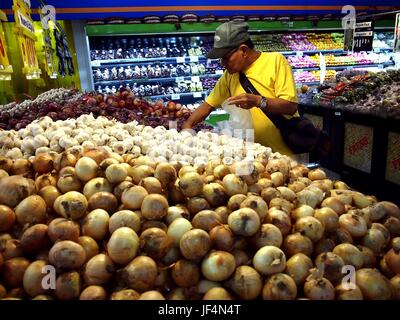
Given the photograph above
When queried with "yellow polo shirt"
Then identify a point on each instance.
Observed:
(272, 76)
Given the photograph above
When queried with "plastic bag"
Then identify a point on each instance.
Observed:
(238, 118)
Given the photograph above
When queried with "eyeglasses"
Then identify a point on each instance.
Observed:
(229, 55)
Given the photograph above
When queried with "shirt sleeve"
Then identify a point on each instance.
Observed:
(220, 92)
(285, 87)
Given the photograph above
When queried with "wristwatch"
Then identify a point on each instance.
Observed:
(263, 104)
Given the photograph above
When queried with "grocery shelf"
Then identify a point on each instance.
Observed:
(178, 96)
(155, 80)
(119, 62)
(344, 67)
(310, 52)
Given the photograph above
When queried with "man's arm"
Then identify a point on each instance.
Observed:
(198, 115)
(274, 105)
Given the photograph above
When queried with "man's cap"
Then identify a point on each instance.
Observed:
(228, 36)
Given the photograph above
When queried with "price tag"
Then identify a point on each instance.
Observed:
(299, 53)
(219, 71)
(96, 63)
(338, 113)
(194, 59)
(195, 79)
(197, 94)
(180, 79)
(175, 96)
(380, 66)
(180, 60)
(299, 70)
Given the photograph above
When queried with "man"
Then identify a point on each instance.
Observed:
(270, 74)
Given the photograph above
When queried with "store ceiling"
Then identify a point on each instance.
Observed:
(78, 9)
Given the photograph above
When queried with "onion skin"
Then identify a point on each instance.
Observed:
(268, 235)
(319, 289)
(185, 273)
(269, 260)
(132, 198)
(191, 184)
(393, 225)
(86, 169)
(234, 185)
(155, 242)
(217, 294)
(354, 224)
(297, 243)
(63, 229)
(270, 193)
(140, 274)
(215, 194)
(279, 286)
(197, 204)
(221, 238)
(392, 259)
(350, 255)
(245, 222)
(246, 283)
(32, 280)
(154, 207)
(35, 238)
(67, 255)
(68, 286)
(223, 213)
(331, 264)
(324, 245)
(395, 282)
(241, 257)
(302, 211)
(49, 195)
(125, 294)
(176, 212)
(341, 236)
(298, 268)
(12, 249)
(43, 163)
(195, 244)
(95, 224)
(328, 217)
(151, 184)
(280, 219)
(235, 201)
(165, 173)
(31, 210)
(98, 270)
(121, 187)
(311, 227)
(123, 245)
(257, 204)
(373, 285)
(151, 295)
(342, 293)
(374, 240)
(96, 185)
(335, 204)
(93, 293)
(44, 181)
(280, 204)
(7, 218)
(369, 256)
(218, 266)
(13, 271)
(103, 200)
(124, 218)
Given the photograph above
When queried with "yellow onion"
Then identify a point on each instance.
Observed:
(310, 227)
(218, 266)
(245, 222)
(257, 204)
(221, 237)
(296, 186)
(72, 205)
(269, 260)
(217, 294)
(373, 285)
(116, 173)
(166, 174)
(13, 271)
(354, 224)
(335, 204)
(280, 219)
(235, 201)
(220, 171)
(35, 238)
(234, 185)
(245, 282)
(12, 249)
(43, 163)
(393, 225)
(67, 255)
(302, 211)
(6, 164)
(121, 187)
(93, 293)
(3, 173)
(123, 245)
(384, 230)
(324, 245)
(223, 213)
(68, 286)
(185, 169)
(268, 235)
(278, 165)
(22, 167)
(278, 179)
(185, 273)
(395, 283)
(279, 286)
(191, 184)
(392, 259)
(68, 181)
(90, 246)
(298, 268)
(270, 193)
(124, 218)
(319, 289)
(151, 295)
(132, 198)
(206, 220)
(151, 184)
(153, 224)
(95, 224)
(344, 293)
(14, 189)
(140, 172)
(31, 210)
(280, 204)
(140, 274)
(96, 185)
(177, 229)
(144, 160)
(328, 217)
(297, 243)
(154, 206)
(195, 244)
(7, 218)
(86, 169)
(374, 240)
(287, 194)
(316, 174)
(215, 194)
(98, 270)
(98, 154)
(369, 257)
(103, 200)
(331, 265)
(176, 212)
(341, 236)
(155, 242)
(33, 276)
(350, 254)
(45, 180)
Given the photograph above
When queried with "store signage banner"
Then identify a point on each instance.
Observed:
(25, 32)
(5, 67)
(363, 36)
(397, 34)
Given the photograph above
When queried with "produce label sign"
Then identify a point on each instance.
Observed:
(358, 147)
(393, 158)
(25, 32)
(363, 36)
(397, 34)
(317, 121)
(5, 67)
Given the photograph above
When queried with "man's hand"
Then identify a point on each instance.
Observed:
(245, 100)
(187, 125)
